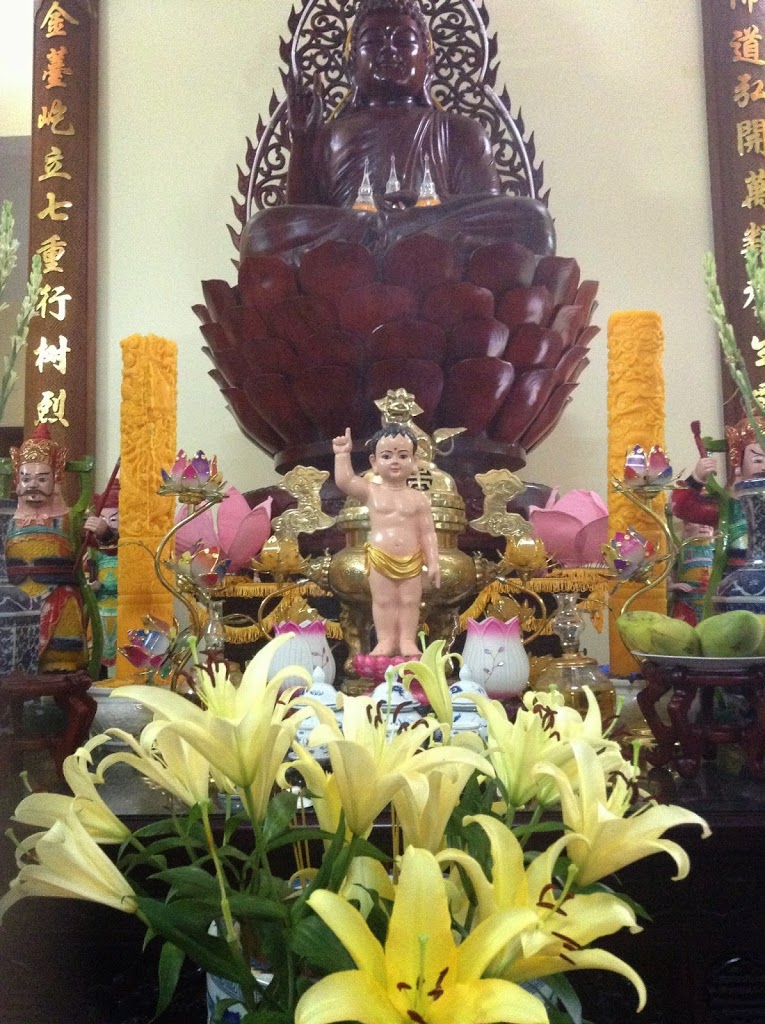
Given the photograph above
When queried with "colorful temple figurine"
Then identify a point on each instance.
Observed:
(444, 168)
(102, 570)
(402, 535)
(40, 554)
(692, 572)
(703, 501)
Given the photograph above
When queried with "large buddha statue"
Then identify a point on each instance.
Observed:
(428, 169)
(391, 258)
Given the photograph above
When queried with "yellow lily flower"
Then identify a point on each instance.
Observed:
(321, 785)
(542, 731)
(369, 768)
(166, 759)
(602, 839)
(365, 874)
(564, 925)
(43, 810)
(420, 975)
(515, 747)
(430, 672)
(244, 732)
(70, 864)
(423, 813)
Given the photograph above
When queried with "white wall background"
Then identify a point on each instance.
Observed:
(613, 91)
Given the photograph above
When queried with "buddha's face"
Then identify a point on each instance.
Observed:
(394, 459)
(390, 59)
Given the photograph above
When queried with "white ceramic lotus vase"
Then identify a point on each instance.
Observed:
(315, 635)
(495, 657)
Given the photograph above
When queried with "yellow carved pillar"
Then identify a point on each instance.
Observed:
(635, 416)
(148, 443)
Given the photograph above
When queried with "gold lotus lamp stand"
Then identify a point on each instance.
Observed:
(631, 556)
(290, 577)
(197, 484)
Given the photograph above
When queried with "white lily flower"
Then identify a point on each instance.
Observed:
(71, 865)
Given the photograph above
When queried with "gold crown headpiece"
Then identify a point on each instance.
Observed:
(40, 447)
(740, 437)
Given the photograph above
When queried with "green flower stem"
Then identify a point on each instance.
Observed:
(8, 259)
(535, 817)
(231, 937)
(249, 985)
(731, 353)
(261, 857)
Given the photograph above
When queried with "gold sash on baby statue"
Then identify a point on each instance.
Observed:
(405, 567)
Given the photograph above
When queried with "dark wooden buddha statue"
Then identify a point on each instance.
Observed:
(390, 125)
(389, 253)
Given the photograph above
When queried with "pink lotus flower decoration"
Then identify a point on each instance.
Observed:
(652, 470)
(198, 476)
(149, 647)
(201, 568)
(573, 528)
(232, 527)
(629, 554)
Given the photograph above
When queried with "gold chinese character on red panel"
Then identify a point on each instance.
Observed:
(52, 408)
(750, 136)
(55, 208)
(749, 4)
(747, 91)
(54, 165)
(51, 251)
(52, 300)
(55, 20)
(753, 238)
(755, 189)
(53, 75)
(52, 116)
(50, 354)
(746, 45)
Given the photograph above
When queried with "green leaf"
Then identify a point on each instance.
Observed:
(325, 869)
(541, 826)
(182, 924)
(299, 834)
(281, 810)
(312, 940)
(244, 905)
(233, 824)
(377, 920)
(189, 877)
(557, 989)
(267, 1017)
(170, 962)
(232, 853)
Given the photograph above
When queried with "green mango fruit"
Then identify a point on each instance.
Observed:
(761, 646)
(655, 633)
(736, 634)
